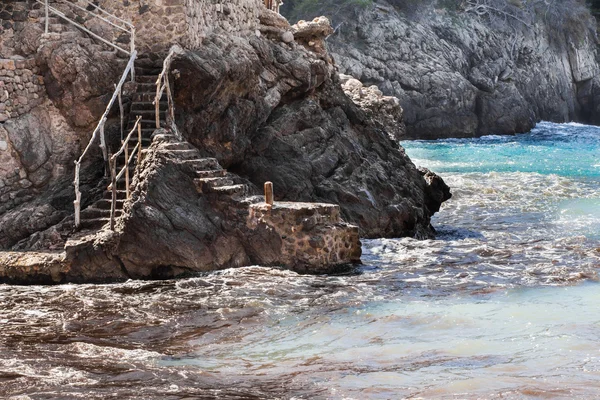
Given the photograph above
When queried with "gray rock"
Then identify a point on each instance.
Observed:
(458, 76)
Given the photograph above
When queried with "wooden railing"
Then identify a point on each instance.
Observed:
(102, 15)
(162, 85)
(99, 131)
(115, 177)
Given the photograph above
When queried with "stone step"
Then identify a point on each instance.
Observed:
(147, 96)
(145, 123)
(93, 224)
(148, 70)
(167, 137)
(146, 115)
(96, 213)
(144, 61)
(203, 164)
(230, 190)
(206, 185)
(178, 146)
(188, 154)
(147, 79)
(256, 199)
(105, 204)
(146, 87)
(148, 105)
(214, 173)
(121, 194)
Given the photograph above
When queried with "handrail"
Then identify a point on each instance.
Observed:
(162, 86)
(130, 29)
(125, 170)
(96, 7)
(99, 130)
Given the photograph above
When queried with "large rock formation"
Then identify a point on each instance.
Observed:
(272, 111)
(458, 74)
(269, 106)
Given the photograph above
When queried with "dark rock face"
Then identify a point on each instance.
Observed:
(458, 76)
(168, 228)
(269, 111)
(79, 78)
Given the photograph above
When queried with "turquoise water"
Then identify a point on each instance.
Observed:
(502, 305)
(570, 150)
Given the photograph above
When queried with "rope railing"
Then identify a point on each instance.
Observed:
(162, 84)
(116, 22)
(99, 131)
(115, 177)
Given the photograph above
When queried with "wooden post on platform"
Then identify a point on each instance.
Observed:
(139, 161)
(269, 193)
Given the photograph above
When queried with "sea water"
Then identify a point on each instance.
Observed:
(503, 304)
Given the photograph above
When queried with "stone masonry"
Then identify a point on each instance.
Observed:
(313, 236)
(161, 23)
(21, 88)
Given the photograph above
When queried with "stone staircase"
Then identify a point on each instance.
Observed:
(98, 214)
(210, 178)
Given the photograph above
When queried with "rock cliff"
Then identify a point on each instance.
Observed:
(461, 71)
(267, 105)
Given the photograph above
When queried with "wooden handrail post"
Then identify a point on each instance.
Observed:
(127, 170)
(46, 24)
(113, 205)
(157, 107)
(77, 202)
(121, 111)
(269, 193)
(104, 148)
(132, 48)
(139, 160)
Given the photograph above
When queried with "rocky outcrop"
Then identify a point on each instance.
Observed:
(270, 111)
(385, 111)
(459, 75)
(176, 224)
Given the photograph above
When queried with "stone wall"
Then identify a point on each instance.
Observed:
(205, 16)
(21, 88)
(161, 23)
(313, 237)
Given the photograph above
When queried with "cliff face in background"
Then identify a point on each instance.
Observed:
(461, 75)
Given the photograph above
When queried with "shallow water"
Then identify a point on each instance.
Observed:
(502, 305)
